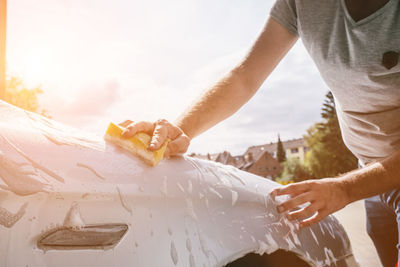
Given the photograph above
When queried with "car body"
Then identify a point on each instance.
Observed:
(68, 198)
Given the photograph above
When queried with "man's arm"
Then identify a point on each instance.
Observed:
(234, 90)
(331, 194)
(226, 97)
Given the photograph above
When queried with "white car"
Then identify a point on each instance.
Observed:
(70, 199)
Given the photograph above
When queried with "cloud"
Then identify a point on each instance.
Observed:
(82, 106)
(95, 100)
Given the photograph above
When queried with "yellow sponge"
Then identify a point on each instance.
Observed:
(136, 144)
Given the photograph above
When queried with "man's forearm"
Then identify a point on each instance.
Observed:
(376, 178)
(215, 105)
(325, 196)
(227, 96)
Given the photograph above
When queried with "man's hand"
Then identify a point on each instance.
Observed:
(160, 131)
(323, 197)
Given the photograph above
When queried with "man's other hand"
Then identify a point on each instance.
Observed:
(311, 201)
(161, 130)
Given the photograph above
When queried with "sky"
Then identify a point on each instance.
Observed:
(100, 61)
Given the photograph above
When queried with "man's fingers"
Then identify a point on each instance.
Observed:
(325, 196)
(162, 131)
(179, 145)
(159, 135)
(303, 213)
(292, 189)
(142, 126)
(319, 216)
(173, 131)
(294, 202)
(125, 123)
(167, 153)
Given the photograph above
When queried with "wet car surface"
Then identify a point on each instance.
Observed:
(68, 198)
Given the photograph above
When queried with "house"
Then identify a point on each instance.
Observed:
(225, 158)
(263, 165)
(260, 160)
(295, 148)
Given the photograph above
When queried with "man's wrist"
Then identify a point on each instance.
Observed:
(346, 184)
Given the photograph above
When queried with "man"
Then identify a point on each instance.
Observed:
(355, 45)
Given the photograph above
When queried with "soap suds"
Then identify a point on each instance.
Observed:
(290, 243)
(191, 260)
(322, 228)
(188, 245)
(59, 134)
(19, 180)
(180, 187)
(73, 217)
(262, 247)
(196, 166)
(215, 192)
(272, 244)
(174, 254)
(330, 229)
(34, 163)
(315, 238)
(8, 219)
(123, 202)
(190, 209)
(235, 196)
(203, 245)
(190, 187)
(224, 181)
(53, 140)
(330, 258)
(90, 169)
(237, 178)
(230, 171)
(164, 187)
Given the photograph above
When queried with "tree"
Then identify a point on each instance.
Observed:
(280, 152)
(3, 33)
(19, 95)
(328, 156)
(294, 170)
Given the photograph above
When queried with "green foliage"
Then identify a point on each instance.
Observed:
(328, 156)
(280, 152)
(295, 171)
(19, 95)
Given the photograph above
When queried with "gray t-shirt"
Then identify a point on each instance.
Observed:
(349, 56)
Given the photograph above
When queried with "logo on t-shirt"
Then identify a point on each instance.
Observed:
(390, 59)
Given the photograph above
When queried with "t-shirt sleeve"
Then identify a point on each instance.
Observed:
(284, 12)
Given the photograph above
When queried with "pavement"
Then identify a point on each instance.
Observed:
(352, 218)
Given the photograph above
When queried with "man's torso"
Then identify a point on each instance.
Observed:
(349, 55)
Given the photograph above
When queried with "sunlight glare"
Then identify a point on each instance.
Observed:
(38, 67)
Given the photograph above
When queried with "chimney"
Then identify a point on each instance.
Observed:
(250, 157)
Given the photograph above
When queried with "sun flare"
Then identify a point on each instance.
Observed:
(38, 67)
